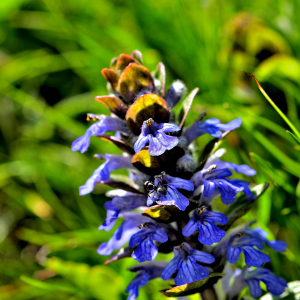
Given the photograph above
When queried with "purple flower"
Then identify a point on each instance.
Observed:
(113, 162)
(215, 160)
(185, 261)
(251, 277)
(203, 220)
(214, 179)
(123, 233)
(258, 233)
(105, 124)
(154, 133)
(210, 126)
(245, 243)
(146, 250)
(244, 185)
(119, 205)
(275, 285)
(171, 196)
(145, 272)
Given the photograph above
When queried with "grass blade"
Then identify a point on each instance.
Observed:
(283, 116)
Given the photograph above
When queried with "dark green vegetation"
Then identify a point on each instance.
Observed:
(51, 55)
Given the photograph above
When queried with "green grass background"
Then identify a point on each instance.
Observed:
(51, 55)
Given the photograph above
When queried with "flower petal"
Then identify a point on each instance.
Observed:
(161, 143)
(231, 125)
(216, 217)
(210, 233)
(233, 254)
(179, 183)
(105, 124)
(174, 197)
(146, 251)
(190, 271)
(160, 236)
(133, 288)
(228, 191)
(190, 227)
(209, 188)
(218, 174)
(253, 257)
(168, 127)
(277, 245)
(171, 268)
(254, 288)
(141, 142)
(201, 256)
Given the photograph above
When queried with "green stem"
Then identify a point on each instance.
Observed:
(275, 106)
(209, 294)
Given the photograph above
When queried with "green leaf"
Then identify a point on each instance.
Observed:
(281, 65)
(189, 287)
(134, 79)
(87, 278)
(283, 116)
(146, 107)
(241, 205)
(297, 140)
(291, 293)
(54, 287)
(186, 105)
(274, 175)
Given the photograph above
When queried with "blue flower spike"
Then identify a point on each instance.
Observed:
(146, 250)
(105, 124)
(204, 221)
(185, 262)
(244, 243)
(182, 197)
(168, 194)
(155, 135)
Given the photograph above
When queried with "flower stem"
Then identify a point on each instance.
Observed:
(209, 294)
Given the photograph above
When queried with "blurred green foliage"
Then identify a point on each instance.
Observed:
(51, 55)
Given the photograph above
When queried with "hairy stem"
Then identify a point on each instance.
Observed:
(209, 294)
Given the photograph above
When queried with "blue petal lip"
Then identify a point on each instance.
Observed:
(104, 125)
(208, 232)
(275, 285)
(154, 134)
(146, 250)
(185, 262)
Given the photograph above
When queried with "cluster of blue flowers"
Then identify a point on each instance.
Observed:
(165, 175)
